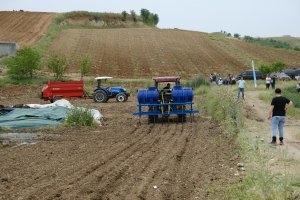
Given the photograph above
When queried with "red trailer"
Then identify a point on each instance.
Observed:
(58, 90)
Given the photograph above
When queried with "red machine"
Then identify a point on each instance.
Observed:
(58, 90)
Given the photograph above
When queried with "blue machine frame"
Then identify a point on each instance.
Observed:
(163, 109)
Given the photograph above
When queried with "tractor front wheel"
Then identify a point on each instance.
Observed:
(121, 98)
(100, 96)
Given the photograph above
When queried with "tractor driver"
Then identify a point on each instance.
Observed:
(167, 87)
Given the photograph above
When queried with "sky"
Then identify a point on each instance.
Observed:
(256, 18)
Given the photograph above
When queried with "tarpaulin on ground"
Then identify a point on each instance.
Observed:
(20, 118)
(39, 115)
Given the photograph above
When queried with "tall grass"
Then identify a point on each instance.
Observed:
(197, 82)
(79, 117)
(223, 107)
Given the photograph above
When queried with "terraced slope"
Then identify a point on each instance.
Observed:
(151, 52)
(25, 28)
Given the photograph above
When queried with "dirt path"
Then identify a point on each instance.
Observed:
(119, 160)
(258, 110)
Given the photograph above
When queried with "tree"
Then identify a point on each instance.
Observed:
(24, 64)
(124, 15)
(133, 15)
(228, 34)
(145, 15)
(85, 63)
(155, 19)
(236, 35)
(58, 65)
(277, 66)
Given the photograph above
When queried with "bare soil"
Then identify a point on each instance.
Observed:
(147, 52)
(25, 28)
(119, 160)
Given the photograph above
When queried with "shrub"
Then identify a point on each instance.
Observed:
(236, 35)
(58, 65)
(24, 63)
(124, 14)
(223, 107)
(274, 67)
(133, 15)
(85, 63)
(79, 117)
(197, 82)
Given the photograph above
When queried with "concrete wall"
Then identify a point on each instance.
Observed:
(8, 48)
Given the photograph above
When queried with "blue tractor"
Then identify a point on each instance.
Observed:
(177, 100)
(103, 94)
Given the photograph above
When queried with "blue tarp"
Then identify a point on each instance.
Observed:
(20, 118)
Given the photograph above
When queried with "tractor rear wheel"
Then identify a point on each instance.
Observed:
(100, 96)
(121, 98)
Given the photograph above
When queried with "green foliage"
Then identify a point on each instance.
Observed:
(85, 64)
(124, 14)
(57, 65)
(79, 117)
(236, 35)
(228, 34)
(274, 67)
(268, 42)
(24, 64)
(197, 82)
(223, 107)
(133, 15)
(148, 17)
(292, 94)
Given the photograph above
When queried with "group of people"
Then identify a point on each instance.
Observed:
(229, 80)
(270, 81)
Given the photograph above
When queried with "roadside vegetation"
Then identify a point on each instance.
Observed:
(259, 180)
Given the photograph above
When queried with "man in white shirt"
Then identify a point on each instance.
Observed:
(241, 87)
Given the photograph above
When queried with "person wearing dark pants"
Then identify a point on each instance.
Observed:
(277, 111)
(273, 82)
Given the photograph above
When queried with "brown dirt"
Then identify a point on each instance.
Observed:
(151, 52)
(25, 28)
(119, 160)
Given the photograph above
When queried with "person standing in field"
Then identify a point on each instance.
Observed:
(241, 87)
(268, 81)
(277, 111)
(273, 82)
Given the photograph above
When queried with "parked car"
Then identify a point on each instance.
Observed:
(281, 76)
(248, 75)
(292, 72)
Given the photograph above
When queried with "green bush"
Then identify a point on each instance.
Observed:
(79, 117)
(24, 64)
(85, 63)
(223, 107)
(58, 65)
(197, 82)
(274, 67)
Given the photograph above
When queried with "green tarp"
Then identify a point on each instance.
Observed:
(20, 118)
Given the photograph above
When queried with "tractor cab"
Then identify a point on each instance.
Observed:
(103, 94)
(165, 92)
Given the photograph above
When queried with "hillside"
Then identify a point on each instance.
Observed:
(25, 28)
(150, 52)
(136, 52)
(293, 41)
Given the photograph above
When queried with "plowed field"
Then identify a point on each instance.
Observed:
(119, 160)
(25, 28)
(149, 52)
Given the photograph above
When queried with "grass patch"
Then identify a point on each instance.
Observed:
(197, 82)
(80, 117)
(34, 81)
(53, 30)
(223, 107)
